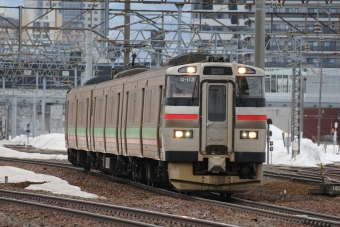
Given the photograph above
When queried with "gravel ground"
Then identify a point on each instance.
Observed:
(124, 195)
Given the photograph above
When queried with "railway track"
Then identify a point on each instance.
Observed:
(260, 209)
(314, 219)
(310, 175)
(272, 211)
(102, 212)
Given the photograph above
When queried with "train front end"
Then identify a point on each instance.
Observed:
(214, 126)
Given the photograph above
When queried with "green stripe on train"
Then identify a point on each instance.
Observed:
(81, 131)
(98, 132)
(148, 133)
(110, 132)
(71, 131)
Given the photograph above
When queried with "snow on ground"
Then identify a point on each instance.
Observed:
(310, 155)
(52, 141)
(9, 153)
(48, 183)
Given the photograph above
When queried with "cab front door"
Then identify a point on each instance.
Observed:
(217, 118)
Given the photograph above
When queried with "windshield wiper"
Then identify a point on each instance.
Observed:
(239, 91)
(193, 91)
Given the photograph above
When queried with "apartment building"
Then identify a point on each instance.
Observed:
(64, 15)
(306, 34)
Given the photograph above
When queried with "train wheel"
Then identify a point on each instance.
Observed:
(100, 162)
(225, 197)
(93, 161)
(134, 171)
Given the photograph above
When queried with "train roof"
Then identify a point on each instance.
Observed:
(130, 72)
(192, 57)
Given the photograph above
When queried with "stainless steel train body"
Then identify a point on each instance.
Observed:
(198, 126)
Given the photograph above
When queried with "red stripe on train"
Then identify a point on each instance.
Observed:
(251, 117)
(180, 116)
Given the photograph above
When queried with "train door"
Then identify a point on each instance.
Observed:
(217, 118)
(118, 113)
(91, 129)
(88, 114)
(124, 123)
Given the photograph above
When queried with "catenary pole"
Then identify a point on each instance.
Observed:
(127, 33)
(259, 49)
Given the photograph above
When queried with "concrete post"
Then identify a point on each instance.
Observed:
(260, 16)
(179, 32)
(14, 118)
(127, 32)
(106, 20)
(3, 87)
(43, 104)
(75, 77)
(20, 36)
(35, 103)
(89, 42)
(7, 120)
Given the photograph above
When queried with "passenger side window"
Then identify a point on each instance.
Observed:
(149, 106)
(111, 111)
(133, 108)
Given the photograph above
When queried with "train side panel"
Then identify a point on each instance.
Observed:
(99, 119)
(151, 119)
(84, 104)
(153, 85)
(71, 122)
(131, 128)
(113, 113)
(142, 115)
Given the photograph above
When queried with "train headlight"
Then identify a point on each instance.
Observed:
(252, 135)
(248, 135)
(178, 134)
(183, 133)
(241, 70)
(245, 70)
(187, 69)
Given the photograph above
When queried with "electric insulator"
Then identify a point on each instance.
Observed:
(321, 39)
(317, 27)
(307, 47)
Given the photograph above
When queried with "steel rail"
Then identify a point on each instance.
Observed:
(311, 171)
(267, 210)
(116, 210)
(78, 213)
(294, 177)
(334, 220)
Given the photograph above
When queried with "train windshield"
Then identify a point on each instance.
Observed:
(249, 86)
(182, 86)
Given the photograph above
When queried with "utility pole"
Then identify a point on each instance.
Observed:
(179, 32)
(260, 16)
(127, 33)
(7, 121)
(320, 91)
(107, 16)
